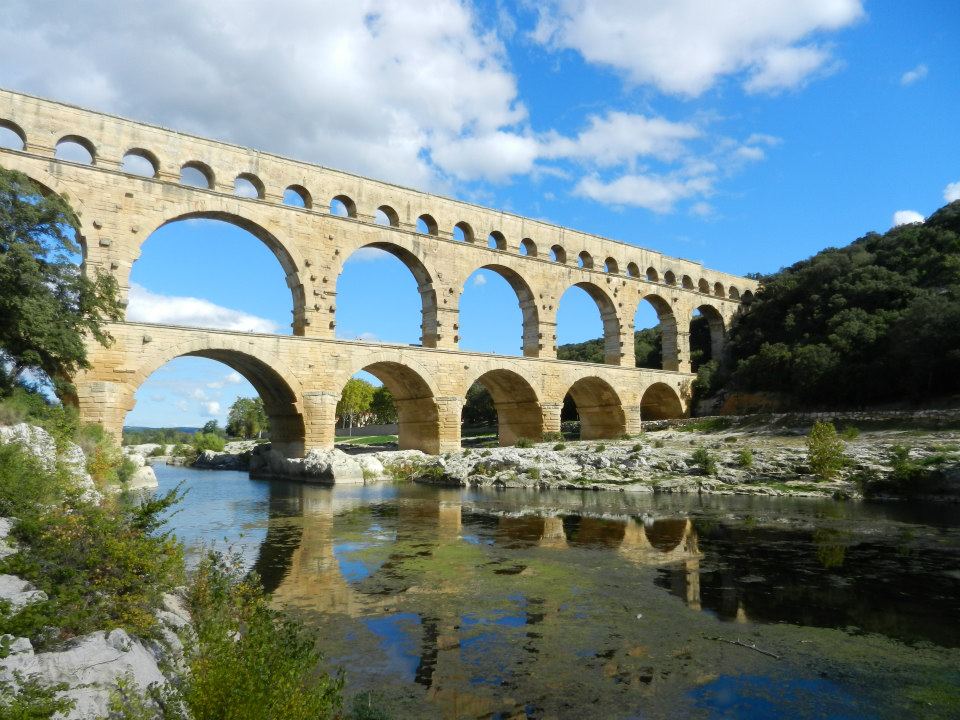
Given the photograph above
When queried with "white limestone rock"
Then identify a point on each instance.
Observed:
(91, 666)
(19, 593)
(328, 467)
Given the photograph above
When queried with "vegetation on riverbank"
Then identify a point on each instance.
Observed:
(877, 321)
(106, 565)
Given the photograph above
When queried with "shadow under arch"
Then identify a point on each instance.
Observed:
(718, 329)
(429, 330)
(417, 414)
(274, 244)
(599, 407)
(519, 414)
(530, 338)
(668, 330)
(666, 534)
(274, 382)
(660, 402)
(608, 316)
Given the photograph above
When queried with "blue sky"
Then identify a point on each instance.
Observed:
(747, 134)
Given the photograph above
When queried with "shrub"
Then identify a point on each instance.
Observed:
(824, 451)
(250, 661)
(100, 565)
(637, 447)
(559, 446)
(552, 437)
(658, 443)
(29, 699)
(745, 458)
(850, 432)
(703, 460)
(600, 448)
(158, 451)
(208, 441)
(187, 452)
(533, 473)
(523, 443)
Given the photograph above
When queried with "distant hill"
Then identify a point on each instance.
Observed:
(877, 321)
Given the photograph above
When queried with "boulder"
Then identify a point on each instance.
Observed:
(19, 593)
(329, 467)
(91, 667)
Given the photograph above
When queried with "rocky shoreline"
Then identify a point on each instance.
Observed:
(754, 458)
(90, 668)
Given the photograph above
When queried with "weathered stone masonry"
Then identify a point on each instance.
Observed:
(301, 377)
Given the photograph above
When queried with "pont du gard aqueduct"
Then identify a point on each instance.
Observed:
(130, 178)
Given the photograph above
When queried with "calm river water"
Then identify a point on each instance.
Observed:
(466, 604)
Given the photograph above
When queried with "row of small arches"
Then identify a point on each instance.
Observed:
(143, 163)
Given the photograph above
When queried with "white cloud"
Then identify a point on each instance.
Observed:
(684, 47)
(786, 67)
(234, 378)
(211, 409)
(371, 86)
(150, 307)
(198, 394)
(916, 74)
(653, 192)
(952, 192)
(622, 137)
(905, 217)
(479, 280)
(492, 156)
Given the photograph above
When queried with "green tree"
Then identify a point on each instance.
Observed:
(47, 304)
(247, 418)
(875, 321)
(383, 406)
(478, 408)
(354, 401)
(211, 427)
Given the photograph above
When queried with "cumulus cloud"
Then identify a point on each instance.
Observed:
(211, 409)
(952, 191)
(622, 137)
(915, 75)
(150, 307)
(372, 86)
(684, 47)
(234, 378)
(905, 217)
(653, 192)
(479, 280)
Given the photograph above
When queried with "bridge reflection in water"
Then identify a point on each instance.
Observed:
(342, 552)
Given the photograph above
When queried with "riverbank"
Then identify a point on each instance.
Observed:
(99, 616)
(708, 458)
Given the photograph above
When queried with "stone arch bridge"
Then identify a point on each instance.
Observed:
(125, 179)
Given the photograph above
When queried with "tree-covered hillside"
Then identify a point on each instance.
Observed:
(873, 322)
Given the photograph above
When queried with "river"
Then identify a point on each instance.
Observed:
(466, 604)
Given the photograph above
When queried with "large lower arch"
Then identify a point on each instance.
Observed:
(519, 414)
(417, 414)
(429, 328)
(530, 339)
(273, 381)
(612, 349)
(660, 402)
(599, 407)
(275, 245)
